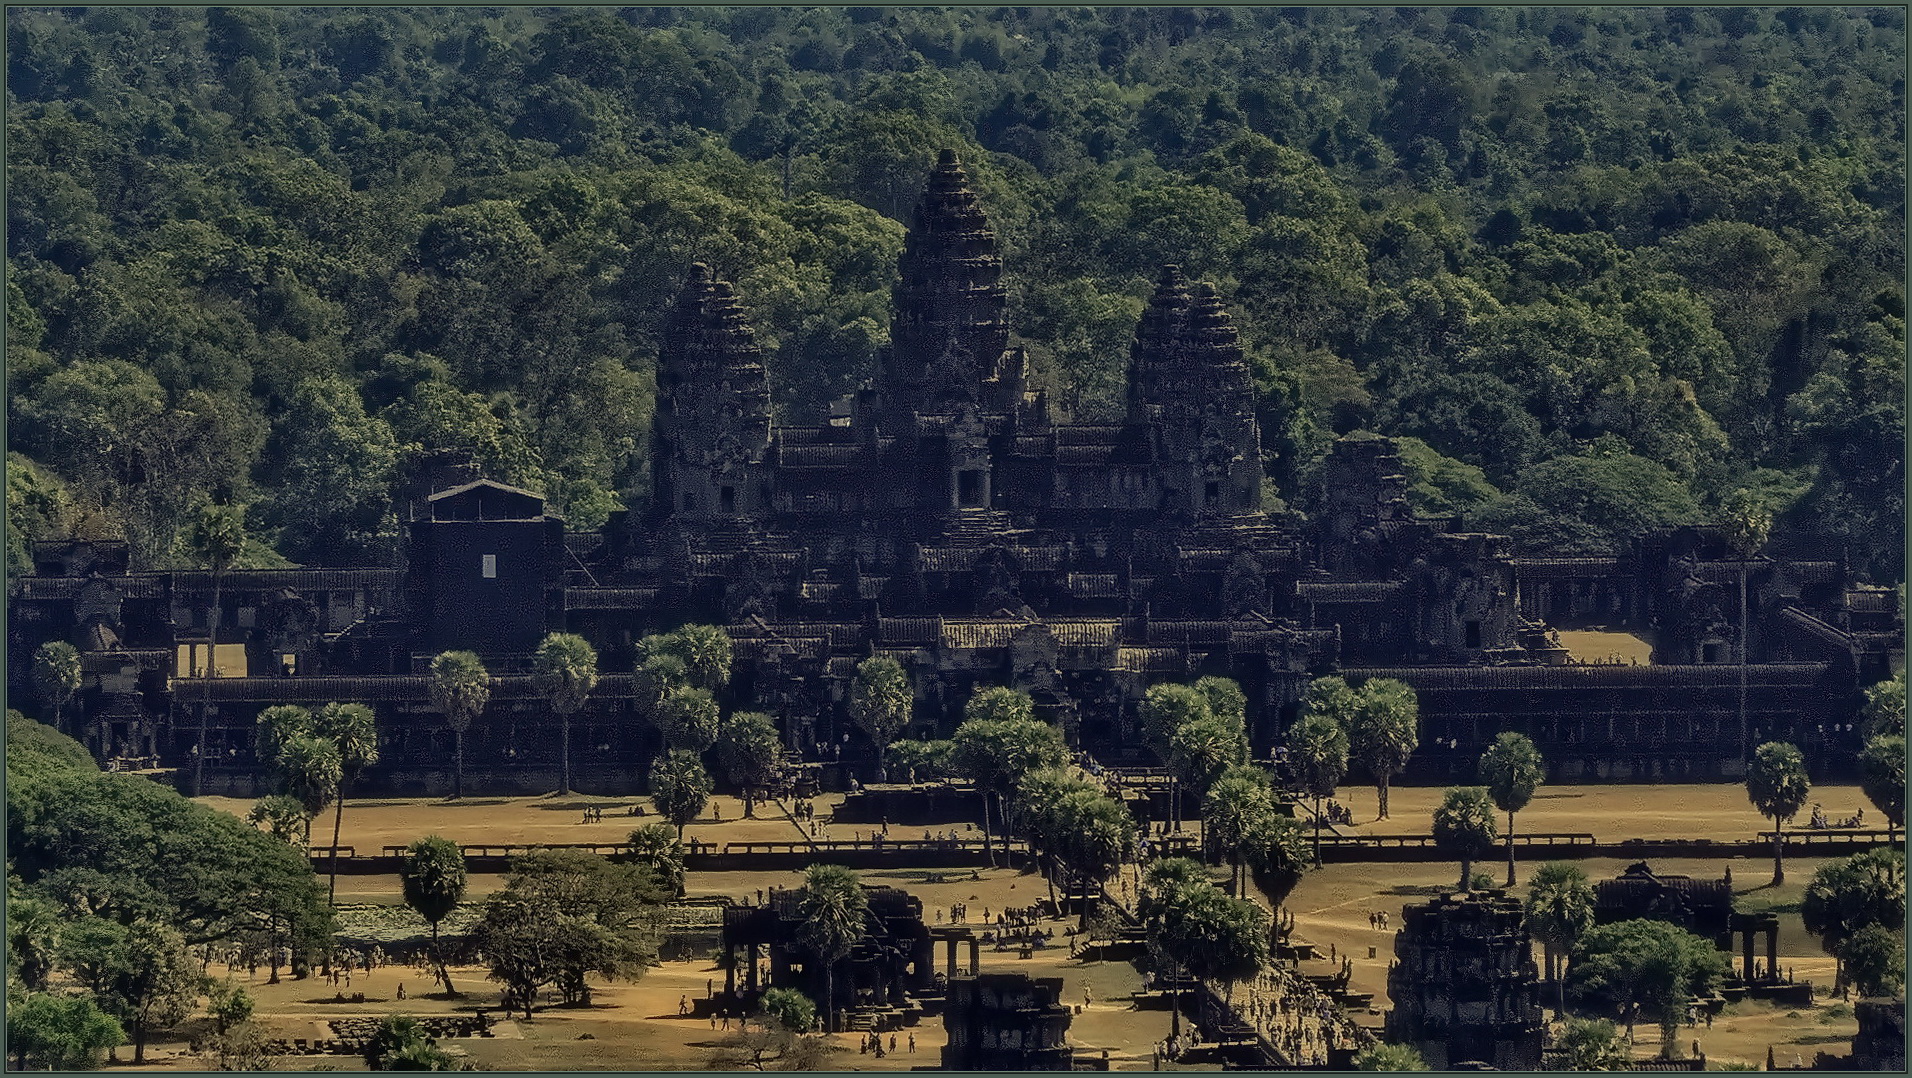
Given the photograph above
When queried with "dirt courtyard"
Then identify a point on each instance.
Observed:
(636, 1025)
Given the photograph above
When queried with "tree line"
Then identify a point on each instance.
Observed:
(1608, 268)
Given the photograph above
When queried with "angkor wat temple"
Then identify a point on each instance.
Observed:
(951, 522)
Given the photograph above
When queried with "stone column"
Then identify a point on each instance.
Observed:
(951, 941)
(1746, 954)
(1772, 952)
(975, 956)
(730, 968)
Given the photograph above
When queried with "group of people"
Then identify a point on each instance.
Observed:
(1296, 1017)
(1819, 821)
(1337, 813)
(1378, 920)
(873, 1044)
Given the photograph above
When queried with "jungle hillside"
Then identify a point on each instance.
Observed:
(1602, 270)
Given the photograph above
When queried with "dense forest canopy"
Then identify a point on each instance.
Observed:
(1607, 268)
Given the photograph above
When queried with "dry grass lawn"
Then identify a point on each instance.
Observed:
(635, 1026)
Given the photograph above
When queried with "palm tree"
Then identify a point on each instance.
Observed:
(1777, 785)
(1559, 911)
(1747, 522)
(311, 767)
(564, 671)
(1512, 769)
(460, 689)
(218, 537)
(1318, 749)
(880, 704)
(1882, 777)
(657, 847)
(354, 729)
(57, 674)
(1096, 833)
(1232, 812)
(1384, 731)
(834, 908)
(680, 787)
(433, 875)
(1464, 826)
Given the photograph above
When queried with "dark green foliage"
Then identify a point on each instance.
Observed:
(60, 1032)
(215, 875)
(36, 746)
(1644, 970)
(285, 251)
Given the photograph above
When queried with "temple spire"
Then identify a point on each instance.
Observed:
(950, 308)
(713, 403)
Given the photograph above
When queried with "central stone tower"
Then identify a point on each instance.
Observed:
(949, 349)
(1464, 984)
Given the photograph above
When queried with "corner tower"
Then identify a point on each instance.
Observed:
(713, 408)
(949, 345)
(1189, 385)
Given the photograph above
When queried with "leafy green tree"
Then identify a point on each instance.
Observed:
(1233, 808)
(1512, 770)
(33, 939)
(1384, 730)
(922, 758)
(881, 701)
(1201, 749)
(752, 751)
(1883, 713)
(56, 673)
(140, 973)
(1382, 1056)
(276, 727)
(312, 767)
(1851, 893)
(60, 1032)
(1464, 826)
(1592, 1044)
(433, 878)
(460, 690)
(1874, 961)
(215, 875)
(680, 787)
(1167, 708)
(834, 908)
(657, 847)
(689, 719)
(1882, 776)
(1277, 853)
(334, 468)
(400, 1043)
(1318, 752)
(790, 1009)
(228, 1005)
(1644, 969)
(1559, 911)
(354, 729)
(996, 753)
(283, 817)
(1094, 834)
(706, 652)
(564, 671)
(1777, 785)
(564, 915)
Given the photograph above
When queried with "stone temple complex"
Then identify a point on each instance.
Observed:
(951, 522)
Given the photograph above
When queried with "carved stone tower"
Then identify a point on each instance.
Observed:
(713, 408)
(1189, 384)
(950, 337)
(1464, 984)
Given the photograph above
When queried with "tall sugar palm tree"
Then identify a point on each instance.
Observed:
(834, 908)
(217, 538)
(1559, 912)
(354, 729)
(564, 671)
(460, 689)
